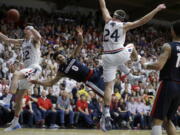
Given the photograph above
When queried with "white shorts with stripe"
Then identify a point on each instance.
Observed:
(31, 73)
(112, 61)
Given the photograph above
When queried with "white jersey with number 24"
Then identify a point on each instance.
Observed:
(114, 35)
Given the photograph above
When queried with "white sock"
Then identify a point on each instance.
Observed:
(106, 111)
(15, 120)
(156, 130)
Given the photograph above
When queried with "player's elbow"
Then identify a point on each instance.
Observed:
(159, 67)
(38, 37)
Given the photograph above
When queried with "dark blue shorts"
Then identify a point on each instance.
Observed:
(167, 100)
(96, 81)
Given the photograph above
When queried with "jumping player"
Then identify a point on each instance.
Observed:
(31, 59)
(72, 68)
(114, 51)
(168, 95)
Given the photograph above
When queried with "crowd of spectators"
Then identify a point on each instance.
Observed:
(69, 103)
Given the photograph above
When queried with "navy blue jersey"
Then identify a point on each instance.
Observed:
(74, 70)
(171, 70)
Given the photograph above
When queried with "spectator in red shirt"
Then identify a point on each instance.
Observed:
(46, 109)
(135, 87)
(82, 108)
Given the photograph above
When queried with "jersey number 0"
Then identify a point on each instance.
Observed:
(75, 68)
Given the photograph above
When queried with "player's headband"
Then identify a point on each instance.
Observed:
(120, 14)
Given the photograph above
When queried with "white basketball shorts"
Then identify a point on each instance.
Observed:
(112, 61)
(31, 73)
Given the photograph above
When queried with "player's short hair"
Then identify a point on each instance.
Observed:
(120, 14)
(57, 53)
(176, 27)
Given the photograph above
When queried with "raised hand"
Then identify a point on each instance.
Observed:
(79, 30)
(161, 7)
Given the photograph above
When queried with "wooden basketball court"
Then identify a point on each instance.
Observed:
(75, 132)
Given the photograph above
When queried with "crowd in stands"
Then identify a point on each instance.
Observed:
(70, 104)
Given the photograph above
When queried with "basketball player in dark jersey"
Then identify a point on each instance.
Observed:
(72, 68)
(168, 95)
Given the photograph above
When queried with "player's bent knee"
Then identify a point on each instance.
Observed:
(130, 45)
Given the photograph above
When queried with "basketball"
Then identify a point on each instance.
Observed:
(13, 15)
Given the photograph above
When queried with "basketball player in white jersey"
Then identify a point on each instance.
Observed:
(115, 53)
(31, 59)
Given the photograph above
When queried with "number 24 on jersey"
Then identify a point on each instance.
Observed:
(114, 35)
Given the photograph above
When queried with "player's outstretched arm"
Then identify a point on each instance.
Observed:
(48, 83)
(145, 19)
(105, 12)
(10, 40)
(161, 61)
(79, 42)
(36, 34)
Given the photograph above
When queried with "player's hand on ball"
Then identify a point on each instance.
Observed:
(79, 30)
(161, 7)
(13, 15)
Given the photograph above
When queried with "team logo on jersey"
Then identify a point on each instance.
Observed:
(129, 50)
(113, 24)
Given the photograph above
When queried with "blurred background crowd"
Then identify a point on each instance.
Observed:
(69, 104)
